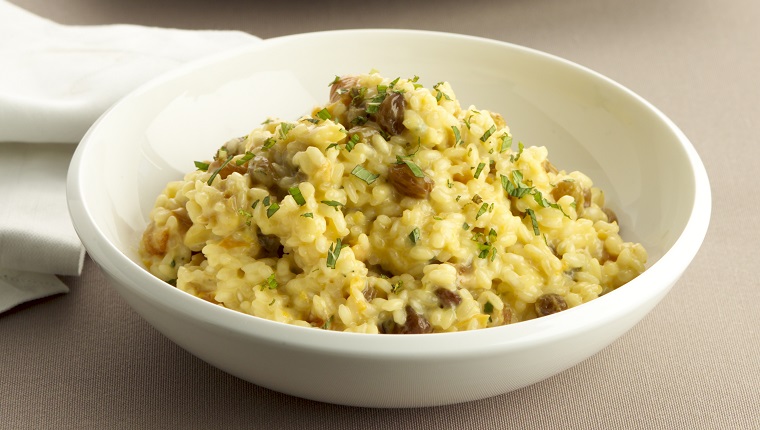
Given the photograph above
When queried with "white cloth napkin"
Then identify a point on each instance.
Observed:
(55, 81)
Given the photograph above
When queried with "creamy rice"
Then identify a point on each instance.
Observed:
(388, 210)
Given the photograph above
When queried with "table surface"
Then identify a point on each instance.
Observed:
(86, 360)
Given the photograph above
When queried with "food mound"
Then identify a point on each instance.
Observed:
(388, 210)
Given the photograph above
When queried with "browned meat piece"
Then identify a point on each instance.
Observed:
(550, 304)
(261, 171)
(611, 215)
(390, 114)
(155, 239)
(403, 180)
(415, 323)
(582, 196)
(340, 89)
(447, 297)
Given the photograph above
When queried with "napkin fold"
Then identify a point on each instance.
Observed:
(55, 81)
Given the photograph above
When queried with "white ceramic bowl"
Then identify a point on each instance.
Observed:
(651, 173)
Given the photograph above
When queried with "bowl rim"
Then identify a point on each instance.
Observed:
(656, 279)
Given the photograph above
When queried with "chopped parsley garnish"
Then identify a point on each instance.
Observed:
(359, 120)
(333, 253)
(334, 81)
(285, 127)
(457, 136)
(533, 221)
(326, 325)
(488, 133)
(200, 165)
(467, 121)
(297, 196)
(307, 215)
(465, 226)
(440, 94)
(324, 114)
(216, 172)
(506, 142)
(541, 200)
(269, 143)
(332, 203)
(414, 236)
(364, 174)
(413, 167)
(488, 308)
(394, 82)
(352, 142)
(515, 187)
(256, 203)
(248, 156)
(479, 169)
(267, 199)
(398, 286)
(272, 209)
(514, 157)
(482, 210)
(271, 282)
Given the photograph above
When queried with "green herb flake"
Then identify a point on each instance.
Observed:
(272, 209)
(352, 141)
(267, 200)
(482, 210)
(488, 308)
(216, 172)
(328, 323)
(457, 136)
(440, 94)
(297, 196)
(269, 143)
(414, 236)
(245, 158)
(332, 203)
(285, 128)
(271, 282)
(488, 133)
(308, 215)
(394, 82)
(533, 221)
(412, 166)
(397, 287)
(334, 81)
(364, 174)
(465, 226)
(514, 157)
(479, 169)
(200, 165)
(272, 302)
(256, 203)
(333, 253)
(506, 142)
(324, 114)
(173, 264)
(515, 187)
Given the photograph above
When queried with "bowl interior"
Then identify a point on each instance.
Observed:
(588, 123)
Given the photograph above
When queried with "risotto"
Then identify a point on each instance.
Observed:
(390, 209)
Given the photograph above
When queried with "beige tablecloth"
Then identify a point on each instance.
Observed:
(86, 360)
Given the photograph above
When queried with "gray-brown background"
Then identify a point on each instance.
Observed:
(85, 360)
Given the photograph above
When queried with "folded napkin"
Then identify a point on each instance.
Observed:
(54, 83)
